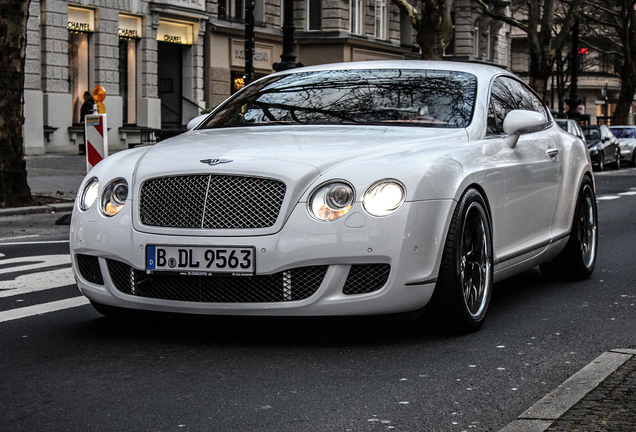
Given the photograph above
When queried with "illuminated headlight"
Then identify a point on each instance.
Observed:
(89, 194)
(384, 197)
(114, 197)
(331, 201)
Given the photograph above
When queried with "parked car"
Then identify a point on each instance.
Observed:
(603, 146)
(572, 127)
(626, 136)
(347, 189)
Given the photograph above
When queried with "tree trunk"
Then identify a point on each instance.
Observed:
(429, 33)
(626, 96)
(14, 190)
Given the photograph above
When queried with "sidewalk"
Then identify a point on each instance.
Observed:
(601, 397)
(52, 176)
(598, 398)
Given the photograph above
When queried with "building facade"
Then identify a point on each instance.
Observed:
(162, 62)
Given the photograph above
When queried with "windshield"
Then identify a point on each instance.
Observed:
(426, 98)
(592, 134)
(624, 132)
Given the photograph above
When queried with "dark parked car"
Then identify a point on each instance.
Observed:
(603, 146)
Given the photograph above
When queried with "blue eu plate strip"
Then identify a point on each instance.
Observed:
(150, 257)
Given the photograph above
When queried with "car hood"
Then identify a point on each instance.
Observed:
(297, 156)
(274, 150)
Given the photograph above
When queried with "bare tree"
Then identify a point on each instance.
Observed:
(613, 23)
(14, 189)
(431, 20)
(548, 33)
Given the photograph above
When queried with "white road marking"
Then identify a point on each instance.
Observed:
(35, 262)
(31, 243)
(37, 282)
(632, 192)
(607, 198)
(43, 308)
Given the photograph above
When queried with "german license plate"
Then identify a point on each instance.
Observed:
(200, 261)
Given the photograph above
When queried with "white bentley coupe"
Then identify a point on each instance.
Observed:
(344, 189)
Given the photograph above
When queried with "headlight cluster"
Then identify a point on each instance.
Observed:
(113, 196)
(333, 200)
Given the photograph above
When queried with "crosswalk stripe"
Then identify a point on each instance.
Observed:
(43, 308)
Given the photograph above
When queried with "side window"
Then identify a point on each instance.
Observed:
(508, 94)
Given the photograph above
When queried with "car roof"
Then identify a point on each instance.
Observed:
(480, 70)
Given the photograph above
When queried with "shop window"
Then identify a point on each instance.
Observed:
(380, 18)
(356, 16)
(78, 70)
(127, 79)
(129, 35)
(314, 14)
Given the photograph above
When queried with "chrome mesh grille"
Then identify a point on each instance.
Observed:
(88, 267)
(291, 285)
(211, 201)
(366, 278)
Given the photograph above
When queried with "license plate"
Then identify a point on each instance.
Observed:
(200, 261)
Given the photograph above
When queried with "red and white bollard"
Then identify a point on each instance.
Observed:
(96, 135)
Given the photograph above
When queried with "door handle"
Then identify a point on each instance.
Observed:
(553, 153)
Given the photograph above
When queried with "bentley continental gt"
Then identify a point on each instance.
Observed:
(363, 188)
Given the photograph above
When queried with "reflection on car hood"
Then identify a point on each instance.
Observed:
(253, 149)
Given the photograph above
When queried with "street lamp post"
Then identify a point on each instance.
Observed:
(574, 100)
(249, 41)
(288, 57)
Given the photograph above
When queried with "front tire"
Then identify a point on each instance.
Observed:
(601, 162)
(464, 286)
(617, 163)
(578, 258)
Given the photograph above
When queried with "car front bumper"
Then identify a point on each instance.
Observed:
(409, 242)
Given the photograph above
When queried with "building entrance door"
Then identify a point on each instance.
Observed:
(170, 91)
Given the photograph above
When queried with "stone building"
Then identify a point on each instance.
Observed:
(162, 62)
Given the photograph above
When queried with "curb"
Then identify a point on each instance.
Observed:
(52, 208)
(542, 414)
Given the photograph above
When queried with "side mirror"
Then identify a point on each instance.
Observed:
(519, 120)
(196, 121)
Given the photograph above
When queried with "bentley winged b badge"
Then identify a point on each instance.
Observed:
(213, 162)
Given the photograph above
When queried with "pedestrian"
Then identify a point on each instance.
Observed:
(87, 106)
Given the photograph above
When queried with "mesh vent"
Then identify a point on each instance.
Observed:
(366, 278)
(292, 285)
(211, 201)
(88, 267)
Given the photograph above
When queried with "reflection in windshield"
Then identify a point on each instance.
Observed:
(377, 97)
(624, 132)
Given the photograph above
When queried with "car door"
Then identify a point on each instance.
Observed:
(531, 175)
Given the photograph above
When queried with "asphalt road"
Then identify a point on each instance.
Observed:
(74, 370)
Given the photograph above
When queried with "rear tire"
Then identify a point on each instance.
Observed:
(578, 258)
(464, 286)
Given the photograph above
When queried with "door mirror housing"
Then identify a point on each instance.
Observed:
(518, 121)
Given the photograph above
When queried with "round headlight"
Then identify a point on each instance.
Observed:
(89, 194)
(384, 197)
(114, 197)
(331, 201)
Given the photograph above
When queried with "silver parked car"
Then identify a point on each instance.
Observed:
(626, 136)
(572, 127)
(345, 189)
